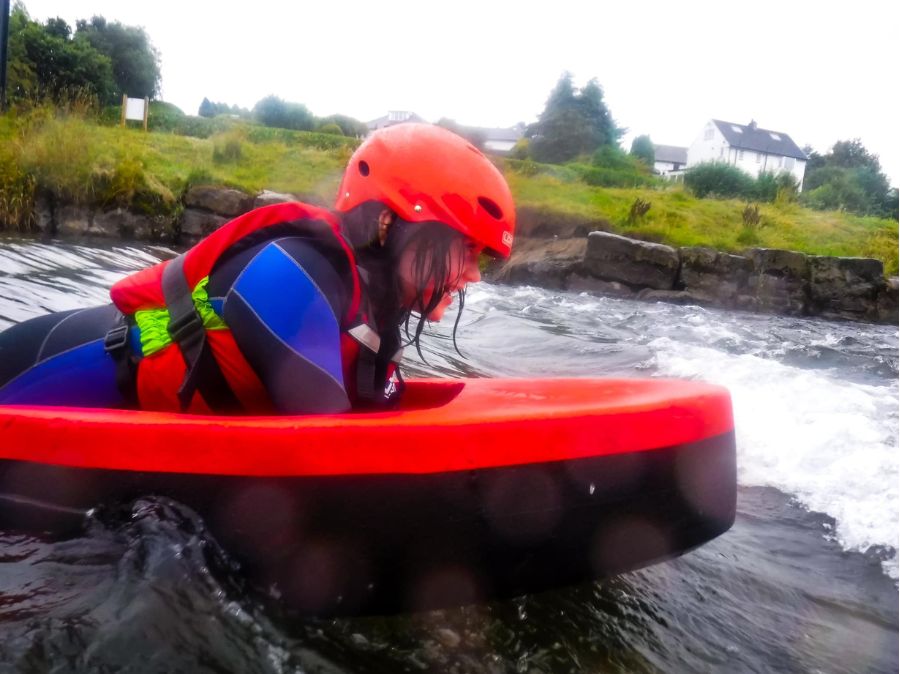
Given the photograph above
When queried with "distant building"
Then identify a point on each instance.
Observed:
(748, 147)
(501, 141)
(494, 140)
(393, 117)
(669, 159)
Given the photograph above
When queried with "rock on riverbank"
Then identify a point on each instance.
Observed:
(762, 279)
(557, 252)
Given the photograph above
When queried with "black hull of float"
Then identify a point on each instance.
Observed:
(383, 543)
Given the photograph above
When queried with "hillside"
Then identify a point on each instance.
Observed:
(76, 159)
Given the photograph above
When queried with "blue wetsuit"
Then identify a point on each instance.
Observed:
(282, 300)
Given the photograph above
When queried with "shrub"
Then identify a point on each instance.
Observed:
(638, 210)
(642, 148)
(752, 222)
(228, 147)
(331, 128)
(610, 157)
(719, 180)
(319, 141)
(520, 149)
(349, 126)
(788, 188)
(162, 115)
(612, 167)
(765, 188)
(750, 216)
(525, 167)
(117, 186)
(603, 177)
(16, 191)
(839, 195)
(61, 156)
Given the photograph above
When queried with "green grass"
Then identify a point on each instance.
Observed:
(679, 219)
(73, 158)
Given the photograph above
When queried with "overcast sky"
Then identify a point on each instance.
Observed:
(820, 72)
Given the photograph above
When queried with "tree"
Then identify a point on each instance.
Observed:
(849, 178)
(207, 108)
(590, 101)
(642, 148)
(44, 62)
(272, 111)
(572, 123)
(814, 159)
(210, 109)
(135, 62)
(349, 126)
(58, 28)
(852, 154)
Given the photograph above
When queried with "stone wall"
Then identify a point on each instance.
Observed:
(762, 279)
(205, 209)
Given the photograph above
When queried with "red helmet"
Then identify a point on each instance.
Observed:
(425, 173)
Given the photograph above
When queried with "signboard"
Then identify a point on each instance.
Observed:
(135, 108)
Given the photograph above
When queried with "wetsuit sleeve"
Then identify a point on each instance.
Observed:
(284, 310)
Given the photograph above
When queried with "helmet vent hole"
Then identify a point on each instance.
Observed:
(364, 168)
(491, 207)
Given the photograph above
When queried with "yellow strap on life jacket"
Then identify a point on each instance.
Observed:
(154, 323)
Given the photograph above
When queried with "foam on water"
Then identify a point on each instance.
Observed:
(829, 442)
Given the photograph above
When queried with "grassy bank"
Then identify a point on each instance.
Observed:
(74, 159)
(679, 219)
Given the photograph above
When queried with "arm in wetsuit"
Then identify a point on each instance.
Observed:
(283, 301)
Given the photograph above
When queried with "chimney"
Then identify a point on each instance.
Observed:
(752, 125)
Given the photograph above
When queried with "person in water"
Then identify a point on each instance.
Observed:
(290, 308)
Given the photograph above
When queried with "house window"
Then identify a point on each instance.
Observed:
(741, 155)
(789, 163)
(758, 157)
(721, 152)
(736, 128)
(708, 134)
(774, 136)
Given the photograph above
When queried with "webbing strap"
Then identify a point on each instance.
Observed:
(366, 369)
(117, 345)
(186, 329)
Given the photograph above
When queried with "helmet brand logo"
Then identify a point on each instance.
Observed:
(507, 239)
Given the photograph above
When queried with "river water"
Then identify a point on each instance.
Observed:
(806, 580)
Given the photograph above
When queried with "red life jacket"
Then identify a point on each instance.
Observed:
(203, 370)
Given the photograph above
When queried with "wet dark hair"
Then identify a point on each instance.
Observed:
(431, 243)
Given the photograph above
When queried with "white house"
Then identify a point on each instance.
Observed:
(748, 147)
(501, 141)
(668, 159)
(393, 117)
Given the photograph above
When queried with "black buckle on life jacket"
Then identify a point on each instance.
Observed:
(116, 339)
(185, 328)
(118, 346)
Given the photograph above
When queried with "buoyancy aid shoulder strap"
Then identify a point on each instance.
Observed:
(377, 351)
(186, 329)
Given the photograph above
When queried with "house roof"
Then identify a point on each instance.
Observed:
(670, 153)
(512, 133)
(751, 137)
(394, 117)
